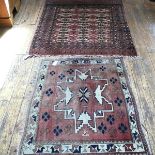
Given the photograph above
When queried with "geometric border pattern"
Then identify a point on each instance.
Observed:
(138, 146)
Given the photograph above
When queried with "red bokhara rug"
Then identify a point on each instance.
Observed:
(83, 106)
(83, 28)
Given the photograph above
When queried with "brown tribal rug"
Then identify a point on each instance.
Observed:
(83, 28)
(83, 106)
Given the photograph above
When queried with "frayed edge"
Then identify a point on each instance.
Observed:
(83, 56)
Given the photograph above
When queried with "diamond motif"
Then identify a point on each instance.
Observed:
(84, 94)
(61, 76)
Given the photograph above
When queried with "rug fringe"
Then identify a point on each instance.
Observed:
(82, 56)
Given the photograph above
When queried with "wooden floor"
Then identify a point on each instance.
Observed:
(16, 93)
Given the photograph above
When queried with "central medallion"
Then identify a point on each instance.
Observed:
(81, 93)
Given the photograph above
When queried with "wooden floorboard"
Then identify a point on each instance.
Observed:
(17, 90)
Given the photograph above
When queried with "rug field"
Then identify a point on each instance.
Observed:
(83, 106)
(83, 28)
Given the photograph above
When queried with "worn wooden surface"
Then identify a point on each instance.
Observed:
(16, 93)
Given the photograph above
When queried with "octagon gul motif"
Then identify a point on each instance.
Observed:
(86, 82)
(86, 29)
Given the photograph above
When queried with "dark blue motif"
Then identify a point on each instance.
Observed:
(52, 73)
(46, 116)
(42, 77)
(124, 86)
(118, 101)
(113, 80)
(99, 61)
(99, 113)
(85, 61)
(128, 99)
(40, 87)
(40, 150)
(45, 66)
(62, 62)
(57, 131)
(61, 76)
(30, 141)
(135, 135)
(109, 147)
(83, 92)
(120, 73)
(36, 104)
(102, 128)
(75, 61)
(102, 68)
(132, 119)
(49, 92)
(96, 147)
(111, 119)
(119, 65)
(54, 150)
(70, 71)
(77, 150)
(34, 118)
(122, 128)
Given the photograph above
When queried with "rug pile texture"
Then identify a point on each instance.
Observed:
(83, 28)
(83, 106)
